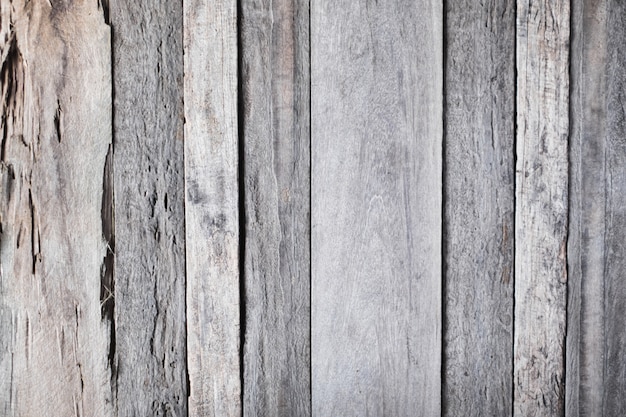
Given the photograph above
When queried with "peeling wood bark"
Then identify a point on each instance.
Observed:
(150, 328)
(597, 301)
(376, 205)
(276, 156)
(56, 132)
(479, 207)
(541, 207)
(211, 207)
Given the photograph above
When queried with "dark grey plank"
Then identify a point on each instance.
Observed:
(376, 207)
(276, 130)
(56, 133)
(479, 207)
(541, 207)
(211, 207)
(149, 272)
(597, 303)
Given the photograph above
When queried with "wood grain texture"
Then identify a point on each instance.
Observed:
(56, 133)
(150, 356)
(479, 207)
(597, 300)
(376, 207)
(211, 207)
(541, 207)
(276, 131)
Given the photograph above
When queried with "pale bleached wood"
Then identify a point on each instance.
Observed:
(56, 133)
(597, 300)
(376, 121)
(479, 207)
(541, 207)
(150, 355)
(276, 157)
(211, 207)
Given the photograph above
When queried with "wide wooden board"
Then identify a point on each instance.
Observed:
(376, 120)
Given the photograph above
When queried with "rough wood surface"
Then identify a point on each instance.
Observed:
(541, 207)
(56, 133)
(276, 153)
(149, 290)
(376, 207)
(597, 300)
(211, 207)
(479, 207)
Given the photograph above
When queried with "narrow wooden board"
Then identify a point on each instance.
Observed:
(56, 133)
(149, 272)
(211, 207)
(376, 207)
(479, 207)
(276, 152)
(541, 207)
(597, 300)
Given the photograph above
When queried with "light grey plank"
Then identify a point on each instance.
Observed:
(211, 207)
(376, 207)
(276, 153)
(597, 303)
(479, 207)
(541, 207)
(56, 133)
(149, 302)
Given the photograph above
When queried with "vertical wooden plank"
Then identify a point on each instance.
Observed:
(376, 205)
(597, 303)
(276, 130)
(586, 247)
(479, 207)
(211, 207)
(541, 207)
(56, 132)
(149, 288)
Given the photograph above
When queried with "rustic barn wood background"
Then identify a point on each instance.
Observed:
(313, 207)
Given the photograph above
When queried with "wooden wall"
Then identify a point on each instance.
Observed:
(312, 208)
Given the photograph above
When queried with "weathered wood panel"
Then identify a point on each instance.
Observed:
(211, 207)
(276, 155)
(541, 207)
(479, 179)
(376, 207)
(597, 299)
(149, 302)
(56, 133)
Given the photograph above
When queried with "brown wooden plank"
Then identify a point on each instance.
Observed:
(56, 133)
(541, 207)
(276, 152)
(376, 120)
(149, 289)
(479, 207)
(597, 300)
(211, 207)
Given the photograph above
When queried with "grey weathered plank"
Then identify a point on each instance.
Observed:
(479, 207)
(597, 299)
(56, 133)
(211, 207)
(376, 207)
(149, 301)
(276, 131)
(541, 207)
